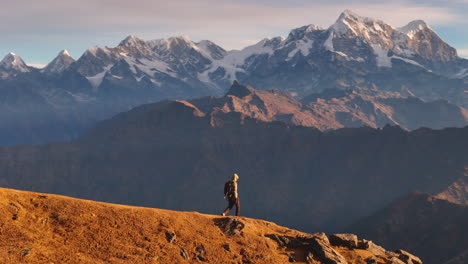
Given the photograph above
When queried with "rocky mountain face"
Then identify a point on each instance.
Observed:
(456, 192)
(39, 227)
(333, 109)
(178, 154)
(355, 53)
(433, 228)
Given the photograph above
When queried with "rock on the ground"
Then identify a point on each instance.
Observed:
(372, 247)
(345, 240)
(407, 257)
(325, 252)
(230, 226)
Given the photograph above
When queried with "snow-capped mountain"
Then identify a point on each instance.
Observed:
(11, 65)
(176, 59)
(310, 60)
(59, 64)
(354, 53)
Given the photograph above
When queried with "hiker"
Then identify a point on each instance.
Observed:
(230, 192)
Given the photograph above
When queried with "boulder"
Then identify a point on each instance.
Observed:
(344, 240)
(292, 257)
(322, 236)
(201, 253)
(170, 237)
(407, 257)
(395, 260)
(226, 247)
(184, 253)
(229, 225)
(372, 247)
(25, 252)
(285, 241)
(325, 252)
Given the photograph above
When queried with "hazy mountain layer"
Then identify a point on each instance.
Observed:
(432, 228)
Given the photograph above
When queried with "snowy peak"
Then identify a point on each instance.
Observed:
(354, 24)
(413, 27)
(426, 43)
(11, 65)
(348, 14)
(64, 53)
(13, 62)
(131, 40)
(302, 32)
(60, 63)
(181, 42)
(211, 49)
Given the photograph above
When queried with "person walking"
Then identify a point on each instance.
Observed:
(230, 193)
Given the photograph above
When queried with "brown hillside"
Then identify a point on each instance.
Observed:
(43, 228)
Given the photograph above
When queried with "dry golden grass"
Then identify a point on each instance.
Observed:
(44, 228)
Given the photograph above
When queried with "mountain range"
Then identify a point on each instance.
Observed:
(356, 54)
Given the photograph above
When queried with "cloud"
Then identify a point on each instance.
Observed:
(37, 65)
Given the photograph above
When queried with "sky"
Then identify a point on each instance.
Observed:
(37, 30)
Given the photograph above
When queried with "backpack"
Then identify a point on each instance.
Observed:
(229, 189)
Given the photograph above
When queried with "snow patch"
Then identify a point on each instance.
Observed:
(151, 66)
(235, 59)
(413, 27)
(382, 59)
(462, 74)
(329, 42)
(302, 46)
(408, 61)
(96, 80)
(81, 97)
(238, 57)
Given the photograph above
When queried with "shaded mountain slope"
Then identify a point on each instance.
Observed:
(432, 228)
(38, 228)
(456, 192)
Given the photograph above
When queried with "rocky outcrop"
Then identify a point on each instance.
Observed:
(346, 240)
(230, 226)
(457, 192)
(333, 109)
(332, 249)
(324, 251)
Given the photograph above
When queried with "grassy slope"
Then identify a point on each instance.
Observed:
(60, 229)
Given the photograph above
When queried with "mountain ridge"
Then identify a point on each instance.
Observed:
(40, 227)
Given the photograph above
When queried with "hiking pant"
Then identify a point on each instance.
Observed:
(232, 202)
